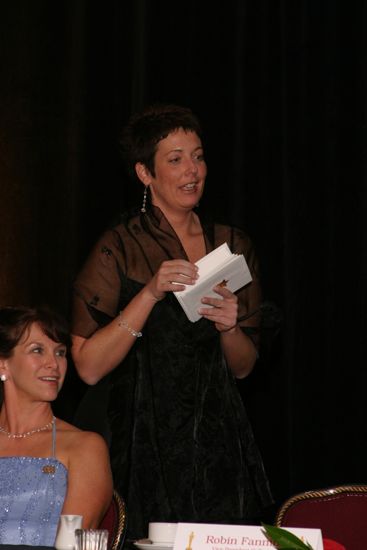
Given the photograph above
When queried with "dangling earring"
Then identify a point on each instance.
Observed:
(3, 378)
(143, 209)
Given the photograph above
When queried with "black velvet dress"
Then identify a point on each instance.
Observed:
(182, 448)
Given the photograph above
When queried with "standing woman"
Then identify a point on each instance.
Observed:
(182, 448)
(47, 466)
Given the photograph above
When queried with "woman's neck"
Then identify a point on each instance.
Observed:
(16, 419)
(185, 224)
(190, 233)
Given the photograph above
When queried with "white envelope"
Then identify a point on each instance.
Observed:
(218, 267)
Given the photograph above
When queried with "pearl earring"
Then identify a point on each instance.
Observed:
(3, 377)
(143, 209)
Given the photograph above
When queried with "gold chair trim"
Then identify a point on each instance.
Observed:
(320, 493)
(121, 520)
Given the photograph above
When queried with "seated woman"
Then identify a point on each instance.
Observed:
(47, 466)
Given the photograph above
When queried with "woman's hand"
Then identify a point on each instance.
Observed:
(172, 275)
(238, 349)
(224, 310)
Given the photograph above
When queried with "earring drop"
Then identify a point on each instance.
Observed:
(143, 209)
(3, 378)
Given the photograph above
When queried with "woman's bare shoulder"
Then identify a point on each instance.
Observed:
(71, 437)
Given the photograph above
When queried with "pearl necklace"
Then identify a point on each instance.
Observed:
(31, 432)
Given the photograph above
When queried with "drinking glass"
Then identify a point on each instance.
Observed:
(91, 539)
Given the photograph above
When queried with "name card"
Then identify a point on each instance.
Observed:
(203, 536)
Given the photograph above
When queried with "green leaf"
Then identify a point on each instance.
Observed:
(283, 539)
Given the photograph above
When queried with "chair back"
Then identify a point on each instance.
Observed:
(115, 521)
(340, 512)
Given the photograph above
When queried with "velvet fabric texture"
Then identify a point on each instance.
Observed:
(182, 448)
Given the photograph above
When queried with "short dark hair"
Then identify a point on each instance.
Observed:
(14, 321)
(140, 137)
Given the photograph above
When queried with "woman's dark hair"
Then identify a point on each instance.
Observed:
(140, 137)
(14, 321)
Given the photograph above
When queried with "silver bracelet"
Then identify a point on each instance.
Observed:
(135, 333)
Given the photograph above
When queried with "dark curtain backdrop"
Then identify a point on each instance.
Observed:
(280, 87)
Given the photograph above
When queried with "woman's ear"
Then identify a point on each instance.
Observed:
(143, 173)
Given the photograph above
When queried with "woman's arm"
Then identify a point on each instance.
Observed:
(238, 349)
(231, 313)
(90, 484)
(96, 356)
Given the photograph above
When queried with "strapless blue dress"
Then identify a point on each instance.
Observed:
(32, 494)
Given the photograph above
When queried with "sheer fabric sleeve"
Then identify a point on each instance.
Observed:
(96, 289)
(250, 296)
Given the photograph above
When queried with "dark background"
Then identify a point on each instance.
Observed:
(280, 87)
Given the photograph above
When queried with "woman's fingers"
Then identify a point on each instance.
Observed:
(173, 275)
(224, 309)
(177, 271)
